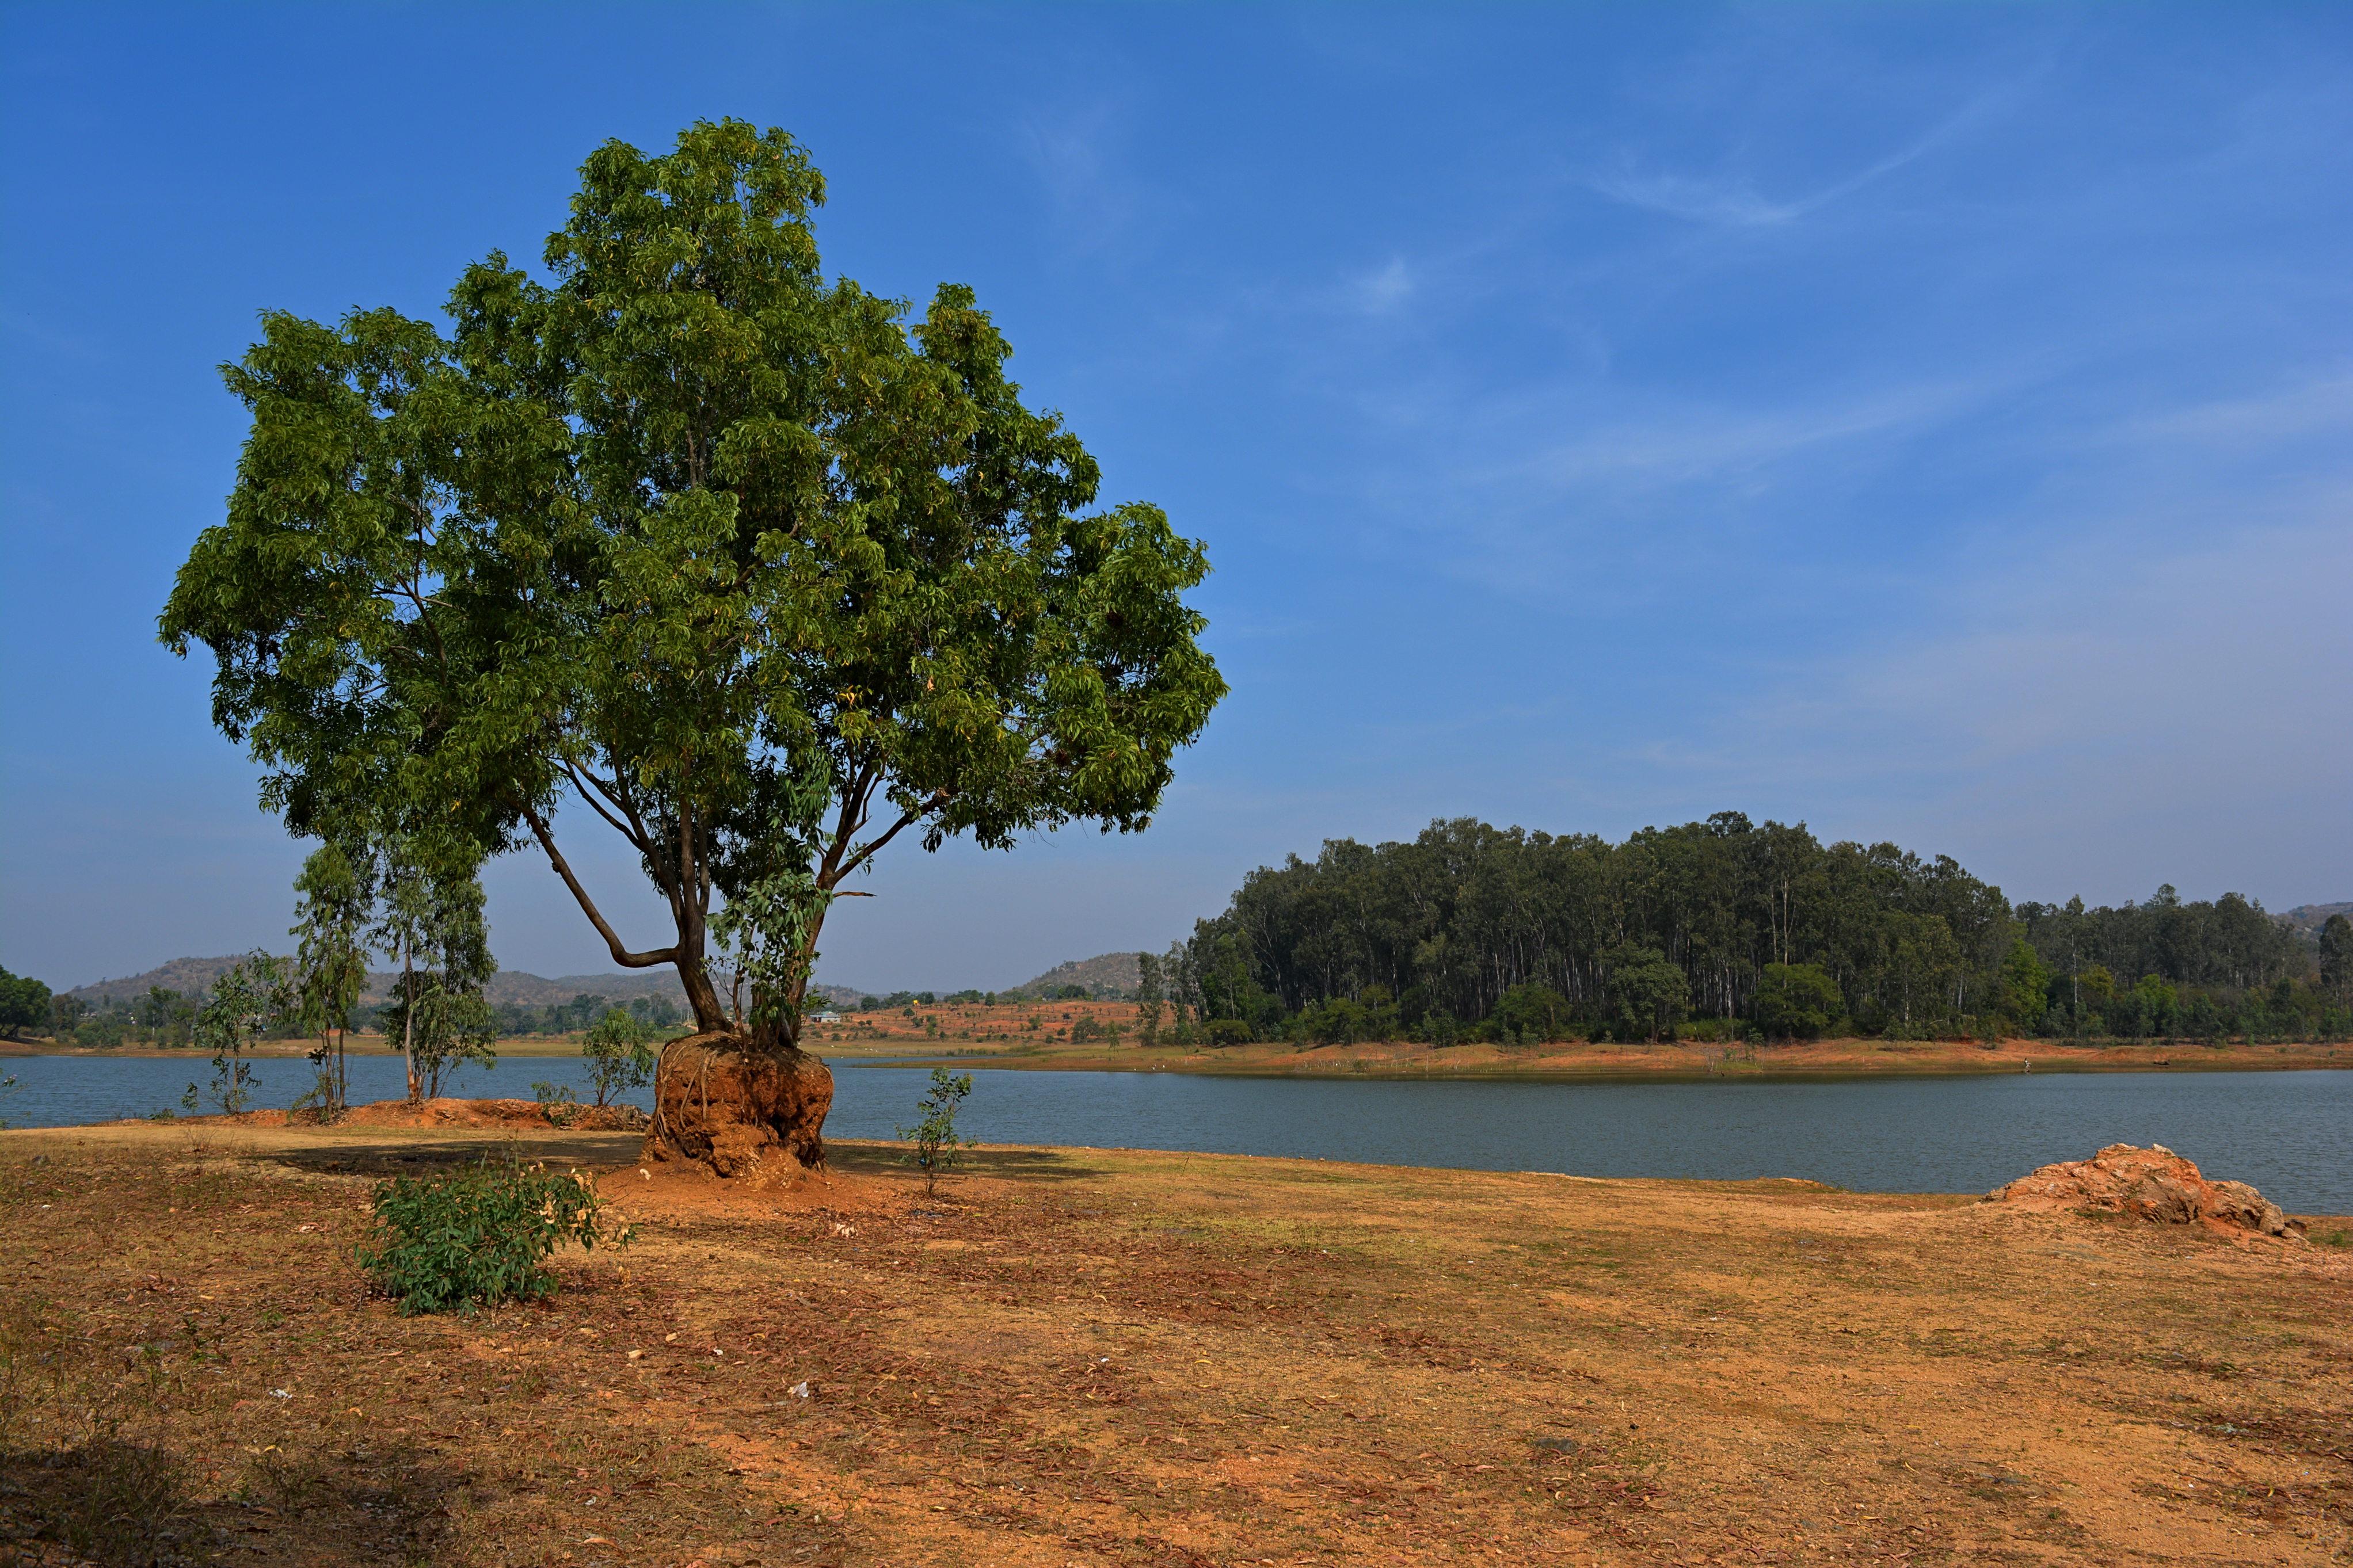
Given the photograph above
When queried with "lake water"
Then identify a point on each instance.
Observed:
(2287, 1132)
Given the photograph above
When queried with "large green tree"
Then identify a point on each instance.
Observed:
(23, 1004)
(684, 542)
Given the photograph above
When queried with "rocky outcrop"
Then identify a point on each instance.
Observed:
(740, 1112)
(2155, 1185)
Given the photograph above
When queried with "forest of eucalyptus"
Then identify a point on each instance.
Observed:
(689, 544)
(1504, 934)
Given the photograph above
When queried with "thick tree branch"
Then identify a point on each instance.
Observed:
(846, 825)
(621, 954)
(582, 780)
(907, 820)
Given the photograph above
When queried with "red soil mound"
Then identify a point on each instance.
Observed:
(738, 1112)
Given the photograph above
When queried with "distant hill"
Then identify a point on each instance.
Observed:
(181, 974)
(1103, 974)
(2309, 918)
(515, 988)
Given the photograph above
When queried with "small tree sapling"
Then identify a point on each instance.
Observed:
(937, 1145)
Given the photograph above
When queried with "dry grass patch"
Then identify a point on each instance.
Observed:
(1160, 1359)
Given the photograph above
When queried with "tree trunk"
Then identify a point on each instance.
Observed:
(408, 1023)
(702, 996)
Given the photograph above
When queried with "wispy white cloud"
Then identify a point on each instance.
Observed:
(2322, 405)
(1078, 154)
(1733, 201)
(1557, 488)
(1692, 444)
(1381, 291)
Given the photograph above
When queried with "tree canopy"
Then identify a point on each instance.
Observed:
(754, 568)
(1730, 918)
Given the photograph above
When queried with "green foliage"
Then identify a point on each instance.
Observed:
(1647, 993)
(770, 929)
(716, 536)
(1923, 967)
(557, 1100)
(23, 1004)
(937, 1144)
(247, 998)
(619, 1058)
(1071, 993)
(2160, 1003)
(1463, 913)
(1530, 1012)
(1227, 1031)
(2229, 943)
(330, 962)
(2336, 958)
(2025, 983)
(1343, 1020)
(1797, 1001)
(443, 1029)
(1151, 999)
(477, 1236)
(431, 919)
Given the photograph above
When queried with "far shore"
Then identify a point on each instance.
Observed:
(867, 1038)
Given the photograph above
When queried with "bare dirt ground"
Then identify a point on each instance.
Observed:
(1141, 1359)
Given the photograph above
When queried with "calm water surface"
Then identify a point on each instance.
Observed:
(2287, 1132)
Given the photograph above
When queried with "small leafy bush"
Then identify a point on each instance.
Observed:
(477, 1236)
(558, 1101)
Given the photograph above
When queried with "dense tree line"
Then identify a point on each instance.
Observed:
(1720, 929)
(161, 1017)
(515, 1021)
(167, 1017)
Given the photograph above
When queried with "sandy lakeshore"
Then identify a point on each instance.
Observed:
(1080, 1356)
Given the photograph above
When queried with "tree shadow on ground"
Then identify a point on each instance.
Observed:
(1016, 1164)
(122, 1504)
(593, 1152)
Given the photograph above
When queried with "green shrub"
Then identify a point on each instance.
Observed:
(476, 1236)
(1798, 1001)
(558, 1101)
(619, 1058)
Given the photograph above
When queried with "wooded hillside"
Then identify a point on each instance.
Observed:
(1506, 932)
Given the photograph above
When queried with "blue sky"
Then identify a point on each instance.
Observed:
(1934, 423)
